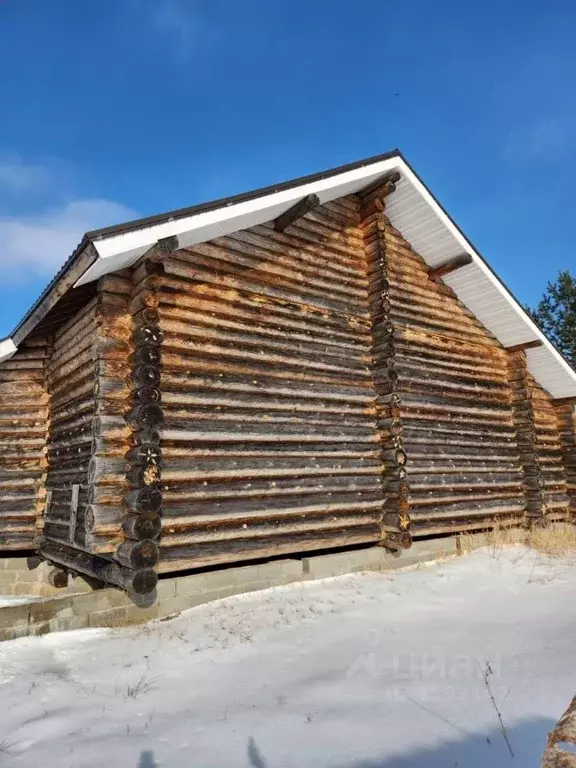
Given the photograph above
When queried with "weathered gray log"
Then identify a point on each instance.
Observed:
(140, 527)
(140, 582)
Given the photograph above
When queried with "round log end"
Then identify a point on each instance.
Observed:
(141, 527)
(141, 582)
(147, 395)
(144, 376)
(58, 578)
(149, 335)
(401, 540)
(401, 457)
(147, 355)
(138, 554)
(147, 436)
(144, 500)
(150, 316)
(144, 454)
(147, 416)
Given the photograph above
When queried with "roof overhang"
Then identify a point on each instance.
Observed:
(412, 209)
(7, 349)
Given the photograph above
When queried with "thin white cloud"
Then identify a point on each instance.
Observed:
(34, 246)
(16, 176)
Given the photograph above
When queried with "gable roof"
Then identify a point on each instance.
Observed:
(412, 209)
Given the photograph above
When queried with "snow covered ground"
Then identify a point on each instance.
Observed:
(362, 671)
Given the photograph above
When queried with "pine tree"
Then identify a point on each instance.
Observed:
(556, 314)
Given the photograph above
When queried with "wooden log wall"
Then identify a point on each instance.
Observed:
(549, 450)
(539, 438)
(282, 389)
(71, 390)
(269, 443)
(452, 400)
(88, 526)
(23, 425)
(566, 416)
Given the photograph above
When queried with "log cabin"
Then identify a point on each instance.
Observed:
(324, 363)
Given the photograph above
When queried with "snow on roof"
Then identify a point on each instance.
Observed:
(412, 209)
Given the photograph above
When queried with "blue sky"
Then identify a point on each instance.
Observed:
(116, 108)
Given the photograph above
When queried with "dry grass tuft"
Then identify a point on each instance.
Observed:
(557, 540)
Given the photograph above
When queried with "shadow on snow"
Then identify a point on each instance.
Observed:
(527, 739)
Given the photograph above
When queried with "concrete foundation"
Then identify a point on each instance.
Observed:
(78, 607)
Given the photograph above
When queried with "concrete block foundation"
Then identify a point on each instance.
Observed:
(76, 607)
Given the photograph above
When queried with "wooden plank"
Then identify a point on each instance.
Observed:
(301, 208)
(450, 266)
(74, 511)
(525, 345)
(48, 502)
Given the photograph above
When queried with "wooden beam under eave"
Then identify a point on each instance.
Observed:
(525, 345)
(160, 250)
(301, 208)
(450, 266)
(387, 185)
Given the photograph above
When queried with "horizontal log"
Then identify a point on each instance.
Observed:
(175, 558)
(524, 346)
(460, 526)
(137, 581)
(457, 262)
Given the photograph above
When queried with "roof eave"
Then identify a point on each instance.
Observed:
(7, 349)
(413, 209)
(81, 260)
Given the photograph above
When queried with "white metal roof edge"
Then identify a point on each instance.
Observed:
(137, 241)
(523, 317)
(7, 349)
(119, 250)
